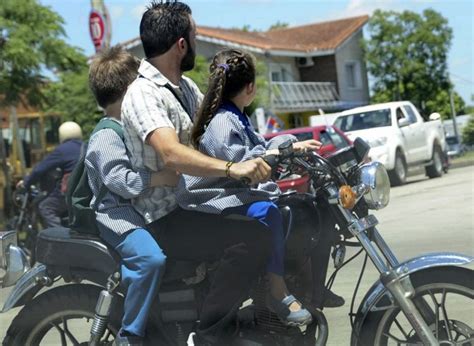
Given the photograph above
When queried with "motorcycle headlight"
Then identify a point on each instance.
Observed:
(374, 176)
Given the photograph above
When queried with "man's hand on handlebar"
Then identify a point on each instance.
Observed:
(256, 170)
(309, 145)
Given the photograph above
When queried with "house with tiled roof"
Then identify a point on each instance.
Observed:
(310, 67)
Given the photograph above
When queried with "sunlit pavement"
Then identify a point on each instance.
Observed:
(426, 215)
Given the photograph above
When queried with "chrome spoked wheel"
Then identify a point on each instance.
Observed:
(451, 318)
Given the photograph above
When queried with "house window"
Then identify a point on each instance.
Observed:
(276, 76)
(280, 72)
(352, 70)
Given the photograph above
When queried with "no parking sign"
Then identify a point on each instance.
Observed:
(99, 25)
(97, 29)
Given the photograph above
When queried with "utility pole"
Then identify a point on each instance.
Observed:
(453, 112)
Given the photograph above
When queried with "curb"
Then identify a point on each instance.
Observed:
(461, 164)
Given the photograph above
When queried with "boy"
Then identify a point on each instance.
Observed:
(120, 225)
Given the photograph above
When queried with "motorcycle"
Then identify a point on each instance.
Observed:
(26, 221)
(422, 301)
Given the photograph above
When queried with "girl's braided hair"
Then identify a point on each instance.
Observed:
(231, 70)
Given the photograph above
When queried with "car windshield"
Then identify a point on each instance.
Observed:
(364, 120)
(452, 140)
(303, 136)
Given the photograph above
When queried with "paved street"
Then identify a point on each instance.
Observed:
(423, 216)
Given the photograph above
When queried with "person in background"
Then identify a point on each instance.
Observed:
(61, 161)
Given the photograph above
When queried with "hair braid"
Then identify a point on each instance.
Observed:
(211, 102)
(231, 70)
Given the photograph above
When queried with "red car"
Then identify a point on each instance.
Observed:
(332, 140)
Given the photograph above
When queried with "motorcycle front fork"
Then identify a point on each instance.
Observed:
(393, 276)
(102, 309)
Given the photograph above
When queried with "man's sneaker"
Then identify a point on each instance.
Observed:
(332, 300)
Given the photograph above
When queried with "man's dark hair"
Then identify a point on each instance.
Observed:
(162, 24)
(110, 74)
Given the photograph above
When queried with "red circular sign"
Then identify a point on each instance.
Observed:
(97, 29)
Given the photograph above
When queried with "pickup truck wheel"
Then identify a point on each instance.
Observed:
(435, 170)
(398, 175)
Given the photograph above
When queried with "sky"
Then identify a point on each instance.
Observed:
(261, 14)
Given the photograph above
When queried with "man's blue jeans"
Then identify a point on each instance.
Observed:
(267, 213)
(143, 265)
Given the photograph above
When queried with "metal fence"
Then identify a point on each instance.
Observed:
(305, 96)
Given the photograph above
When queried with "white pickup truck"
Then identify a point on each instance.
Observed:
(398, 136)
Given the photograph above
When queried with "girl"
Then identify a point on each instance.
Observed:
(223, 130)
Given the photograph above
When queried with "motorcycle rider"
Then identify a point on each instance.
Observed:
(64, 157)
(157, 114)
(222, 130)
(109, 169)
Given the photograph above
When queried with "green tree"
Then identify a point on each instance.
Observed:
(468, 132)
(33, 47)
(71, 97)
(442, 104)
(407, 55)
(278, 25)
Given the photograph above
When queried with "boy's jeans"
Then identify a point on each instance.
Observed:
(143, 265)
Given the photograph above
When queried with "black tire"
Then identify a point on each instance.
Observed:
(435, 170)
(398, 175)
(458, 280)
(54, 306)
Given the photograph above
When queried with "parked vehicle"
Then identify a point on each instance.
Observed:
(455, 147)
(399, 137)
(332, 140)
(432, 290)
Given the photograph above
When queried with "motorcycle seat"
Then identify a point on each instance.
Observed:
(63, 247)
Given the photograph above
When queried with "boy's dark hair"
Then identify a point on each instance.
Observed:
(162, 24)
(231, 70)
(110, 73)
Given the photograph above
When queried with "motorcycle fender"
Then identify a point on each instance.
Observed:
(26, 287)
(379, 298)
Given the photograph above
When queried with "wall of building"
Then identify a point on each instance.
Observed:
(323, 70)
(283, 66)
(354, 88)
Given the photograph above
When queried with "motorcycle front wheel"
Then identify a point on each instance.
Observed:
(60, 316)
(443, 295)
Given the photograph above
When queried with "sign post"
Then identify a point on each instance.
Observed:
(99, 25)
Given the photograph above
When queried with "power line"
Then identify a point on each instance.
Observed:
(461, 78)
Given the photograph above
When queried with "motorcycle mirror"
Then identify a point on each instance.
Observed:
(286, 148)
(361, 149)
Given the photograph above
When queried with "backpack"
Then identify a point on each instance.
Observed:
(79, 195)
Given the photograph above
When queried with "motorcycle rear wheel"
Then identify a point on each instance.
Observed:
(61, 316)
(436, 287)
